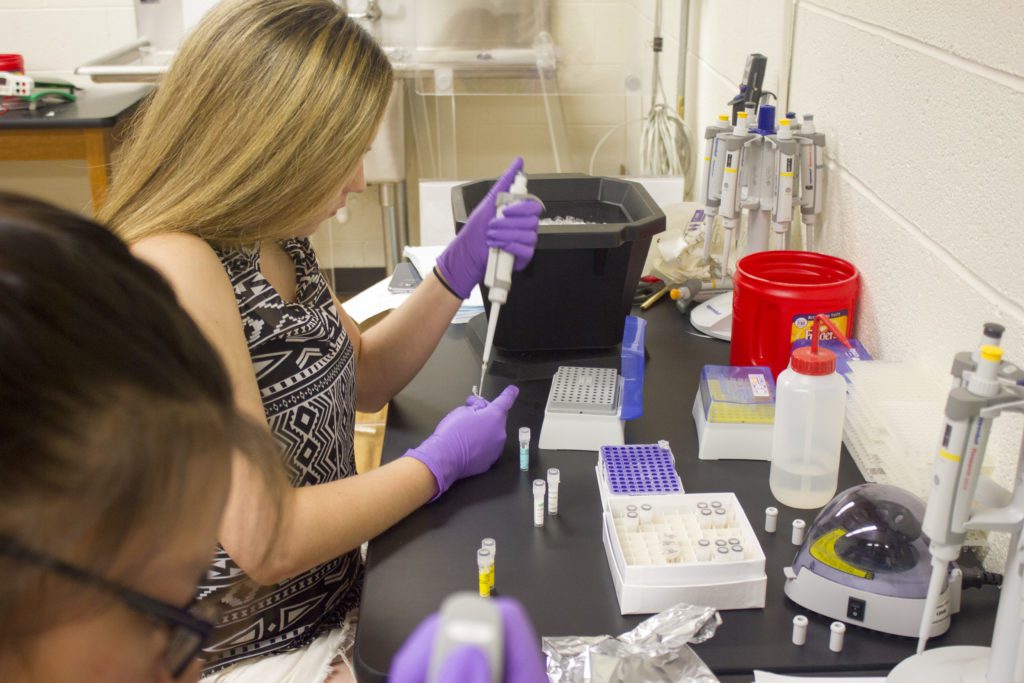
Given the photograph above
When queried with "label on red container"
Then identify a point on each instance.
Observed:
(803, 324)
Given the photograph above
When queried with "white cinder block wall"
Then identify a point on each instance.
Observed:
(921, 103)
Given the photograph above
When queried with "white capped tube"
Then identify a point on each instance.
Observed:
(491, 545)
(722, 554)
(554, 476)
(835, 639)
(524, 449)
(799, 526)
(646, 513)
(799, 629)
(539, 488)
(484, 563)
(632, 521)
(771, 519)
(703, 550)
(707, 518)
(721, 518)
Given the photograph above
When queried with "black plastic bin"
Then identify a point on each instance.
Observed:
(578, 289)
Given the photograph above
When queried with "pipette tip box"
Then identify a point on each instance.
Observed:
(734, 411)
(584, 410)
(638, 469)
(667, 554)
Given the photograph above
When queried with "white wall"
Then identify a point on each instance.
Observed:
(921, 104)
(58, 35)
(594, 37)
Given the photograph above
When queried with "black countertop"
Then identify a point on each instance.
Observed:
(560, 572)
(97, 106)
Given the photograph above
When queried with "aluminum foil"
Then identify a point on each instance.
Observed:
(656, 651)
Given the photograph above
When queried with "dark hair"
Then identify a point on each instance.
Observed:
(116, 414)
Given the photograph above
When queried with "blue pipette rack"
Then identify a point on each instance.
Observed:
(640, 469)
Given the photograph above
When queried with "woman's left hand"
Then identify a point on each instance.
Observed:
(464, 261)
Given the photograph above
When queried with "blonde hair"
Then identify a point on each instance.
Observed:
(263, 116)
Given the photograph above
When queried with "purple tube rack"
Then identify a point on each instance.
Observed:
(639, 469)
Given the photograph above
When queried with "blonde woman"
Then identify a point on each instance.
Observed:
(254, 137)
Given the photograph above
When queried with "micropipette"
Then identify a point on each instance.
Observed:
(711, 194)
(812, 168)
(782, 189)
(498, 275)
(955, 477)
(733, 143)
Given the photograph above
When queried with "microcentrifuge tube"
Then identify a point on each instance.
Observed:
(771, 519)
(539, 487)
(721, 520)
(798, 531)
(722, 554)
(524, 448)
(835, 639)
(799, 629)
(721, 543)
(703, 550)
(734, 541)
(632, 521)
(646, 513)
(716, 504)
(484, 562)
(736, 551)
(554, 476)
(702, 505)
(492, 545)
(670, 551)
(707, 519)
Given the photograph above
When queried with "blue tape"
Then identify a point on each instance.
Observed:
(633, 367)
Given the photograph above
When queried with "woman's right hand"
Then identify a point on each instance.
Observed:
(467, 441)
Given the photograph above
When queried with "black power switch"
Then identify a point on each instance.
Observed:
(855, 609)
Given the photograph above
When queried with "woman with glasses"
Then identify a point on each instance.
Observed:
(255, 136)
(117, 429)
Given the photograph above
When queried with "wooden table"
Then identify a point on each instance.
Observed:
(79, 130)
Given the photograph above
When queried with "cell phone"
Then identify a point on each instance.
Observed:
(404, 279)
(468, 619)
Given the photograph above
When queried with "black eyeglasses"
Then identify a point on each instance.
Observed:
(189, 627)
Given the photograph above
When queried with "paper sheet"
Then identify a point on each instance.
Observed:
(424, 258)
(373, 300)
(766, 677)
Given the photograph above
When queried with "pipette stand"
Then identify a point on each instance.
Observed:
(584, 410)
(1003, 662)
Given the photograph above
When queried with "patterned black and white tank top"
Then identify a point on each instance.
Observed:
(305, 369)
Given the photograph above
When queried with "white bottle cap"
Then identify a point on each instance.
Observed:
(524, 437)
(835, 640)
(554, 476)
(798, 531)
(771, 519)
(799, 629)
(491, 545)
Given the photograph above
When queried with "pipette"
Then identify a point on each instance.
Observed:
(812, 168)
(711, 194)
(498, 275)
(782, 189)
(955, 477)
(733, 143)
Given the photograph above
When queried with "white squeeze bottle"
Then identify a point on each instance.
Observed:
(810, 401)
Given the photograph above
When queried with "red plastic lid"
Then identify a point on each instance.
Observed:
(811, 360)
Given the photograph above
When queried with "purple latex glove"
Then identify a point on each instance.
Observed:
(464, 261)
(467, 441)
(524, 662)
